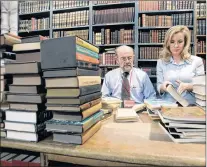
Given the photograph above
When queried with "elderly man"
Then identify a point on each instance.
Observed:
(127, 82)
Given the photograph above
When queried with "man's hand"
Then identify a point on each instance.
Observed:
(183, 86)
(164, 86)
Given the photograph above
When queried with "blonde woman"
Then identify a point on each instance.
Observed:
(177, 66)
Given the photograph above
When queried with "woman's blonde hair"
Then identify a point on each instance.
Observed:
(165, 53)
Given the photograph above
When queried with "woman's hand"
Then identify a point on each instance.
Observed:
(164, 86)
(183, 86)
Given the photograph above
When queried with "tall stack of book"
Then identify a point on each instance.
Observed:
(26, 115)
(6, 56)
(184, 124)
(199, 88)
(70, 68)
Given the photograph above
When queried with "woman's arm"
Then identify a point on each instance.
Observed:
(161, 84)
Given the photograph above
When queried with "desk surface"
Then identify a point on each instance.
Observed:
(141, 142)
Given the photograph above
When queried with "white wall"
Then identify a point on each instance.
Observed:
(9, 17)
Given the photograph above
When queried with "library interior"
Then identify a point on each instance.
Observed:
(77, 74)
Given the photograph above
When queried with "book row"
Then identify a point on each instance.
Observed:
(109, 2)
(164, 5)
(33, 6)
(201, 46)
(201, 27)
(155, 36)
(34, 24)
(201, 9)
(114, 15)
(70, 19)
(84, 34)
(166, 20)
(113, 36)
(152, 52)
(108, 58)
(68, 4)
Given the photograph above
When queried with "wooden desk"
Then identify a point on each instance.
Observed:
(120, 144)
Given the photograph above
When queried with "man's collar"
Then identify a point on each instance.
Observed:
(125, 71)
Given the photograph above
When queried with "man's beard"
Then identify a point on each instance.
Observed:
(127, 68)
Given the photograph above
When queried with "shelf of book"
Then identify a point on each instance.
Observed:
(151, 12)
(68, 28)
(114, 45)
(78, 8)
(35, 13)
(166, 27)
(124, 4)
(113, 24)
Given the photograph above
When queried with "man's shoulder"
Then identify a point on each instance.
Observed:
(113, 72)
(140, 72)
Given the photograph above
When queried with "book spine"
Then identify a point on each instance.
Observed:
(87, 52)
(85, 58)
(86, 45)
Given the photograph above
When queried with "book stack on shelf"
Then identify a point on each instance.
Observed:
(26, 97)
(73, 88)
(199, 88)
(6, 56)
(184, 124)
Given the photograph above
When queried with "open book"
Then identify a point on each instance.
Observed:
(171, 90)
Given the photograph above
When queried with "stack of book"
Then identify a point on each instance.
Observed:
(26, 97)
(29, 49)
(199, 88)
(6, 56)
(70, 68)
(153, 105)
(183, 124)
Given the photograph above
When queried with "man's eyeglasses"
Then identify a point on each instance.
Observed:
(126, 58)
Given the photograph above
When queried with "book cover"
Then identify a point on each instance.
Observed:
(171, 90)
(184, 113)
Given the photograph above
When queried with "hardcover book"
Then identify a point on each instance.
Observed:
(77, 138)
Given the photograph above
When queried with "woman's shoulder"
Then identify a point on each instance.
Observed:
(195, 59)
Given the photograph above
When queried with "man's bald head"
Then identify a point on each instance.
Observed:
(125, 57)
(124, 48)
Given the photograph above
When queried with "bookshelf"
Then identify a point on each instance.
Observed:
(200, 35)
(104, 23)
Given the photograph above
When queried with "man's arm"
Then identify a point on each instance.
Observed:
(106, 92)
(149, 91)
